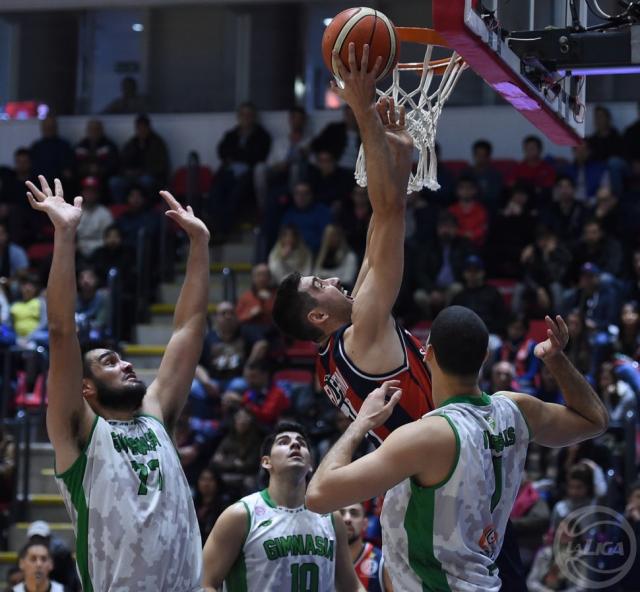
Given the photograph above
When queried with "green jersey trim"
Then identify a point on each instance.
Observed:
(73, 478)
(246, 507)
(479, 401)
(267, 498)
(419, 526)
(415, 483)
(236, 580)
(82, 452)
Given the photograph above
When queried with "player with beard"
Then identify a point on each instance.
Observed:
(116, 465)
(367, 559)
(361, 344)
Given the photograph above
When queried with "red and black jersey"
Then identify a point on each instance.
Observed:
(368, 567)
(347, 386)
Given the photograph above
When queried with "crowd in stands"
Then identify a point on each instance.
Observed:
(513, 240)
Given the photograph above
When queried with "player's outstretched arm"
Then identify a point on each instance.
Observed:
(583, 416)
(389, 154)
(338, 482)
(224, 546)
(346, 578)
(69, 417)
(168, 392)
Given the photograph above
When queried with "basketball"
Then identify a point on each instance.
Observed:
(362, 26)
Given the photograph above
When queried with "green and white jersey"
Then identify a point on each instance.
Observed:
(286, 550)
(447, 537)
(132, 512)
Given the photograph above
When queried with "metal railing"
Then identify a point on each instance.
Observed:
(228, 285)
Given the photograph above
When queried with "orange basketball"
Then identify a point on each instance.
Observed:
(362, 26)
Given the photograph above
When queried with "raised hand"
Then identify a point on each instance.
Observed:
(185, 218)
(557, 338)
(356, 86)
(394, 121)
(63, 215)
(378, 405)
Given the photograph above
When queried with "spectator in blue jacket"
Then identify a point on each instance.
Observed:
(308, 216)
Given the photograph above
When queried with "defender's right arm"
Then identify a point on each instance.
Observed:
(224, 545)
(69, 417)
(584, 416)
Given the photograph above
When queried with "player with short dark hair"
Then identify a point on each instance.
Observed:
(452, 478)
(367, 558)
(361, 344)
(269, 540)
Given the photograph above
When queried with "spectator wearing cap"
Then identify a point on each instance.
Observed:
(144, 160)
(96, 155)
(36, 565)
(598, 302)
(95, 219)
(483, 299)
(263, 399)
(63, 568)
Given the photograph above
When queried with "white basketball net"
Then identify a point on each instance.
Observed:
(423, 111)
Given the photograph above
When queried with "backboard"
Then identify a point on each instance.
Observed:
(500, 41)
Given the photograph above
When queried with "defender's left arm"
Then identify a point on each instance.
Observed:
(168, 392)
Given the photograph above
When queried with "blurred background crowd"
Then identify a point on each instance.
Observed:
(514, 240)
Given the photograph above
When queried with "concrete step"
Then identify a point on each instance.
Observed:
(236, 251)
(62, 530)
(7, 560)
(162, 312)
(217, 267)
(46, 506)
(41, 456)
(143, 356)
(153, 333)
(169, 292)
(43, 481)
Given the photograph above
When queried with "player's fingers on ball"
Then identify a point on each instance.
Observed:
(364, 62)
(353, 65)
(392, 111)
(376, 67)
(338, 67)
(402, 115)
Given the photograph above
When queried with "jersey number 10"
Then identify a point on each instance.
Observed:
(304, 577)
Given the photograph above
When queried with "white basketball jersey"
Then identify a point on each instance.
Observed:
(286, 550)
(132, 512)
(447, 537)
